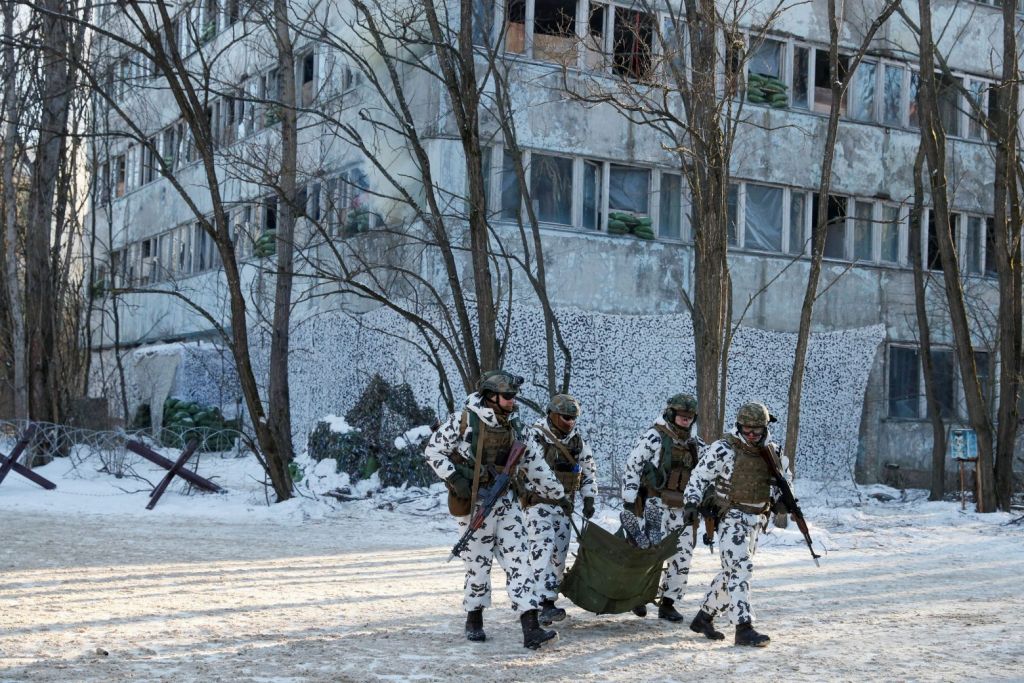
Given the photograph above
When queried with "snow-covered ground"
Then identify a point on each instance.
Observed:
(223, 587)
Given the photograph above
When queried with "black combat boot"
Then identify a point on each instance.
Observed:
(746, 635)
(534, 637)
(704, 623)
(475, 625)
(667, 611)
(549, 612)
(640, 611)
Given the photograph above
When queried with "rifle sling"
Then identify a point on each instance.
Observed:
(474, 424)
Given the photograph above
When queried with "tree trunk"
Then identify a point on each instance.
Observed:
(938, 481)
(1007, 228)
(55, 93)
(10, 201)
(933, 139)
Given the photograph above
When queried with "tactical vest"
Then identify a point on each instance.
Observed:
(563, 459)
(678, 458)
(491, 445)
(749, 489)
(565, 465)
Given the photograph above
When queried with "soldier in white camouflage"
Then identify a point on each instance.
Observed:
(658, 469)
(466, 451)
(734, 470)
(556, 443)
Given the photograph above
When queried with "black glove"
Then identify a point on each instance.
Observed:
(690, 514)
(566, 504)
(460, 485)
(588, 507)
(780, 508)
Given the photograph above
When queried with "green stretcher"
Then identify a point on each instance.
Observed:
(610, 575)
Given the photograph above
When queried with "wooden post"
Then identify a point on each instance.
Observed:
(175, 470)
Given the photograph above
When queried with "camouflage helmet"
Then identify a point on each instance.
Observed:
(753, 415)
(683, 403)
(564, 404)
(499, 382)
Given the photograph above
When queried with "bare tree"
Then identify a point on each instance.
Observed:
(425, 224)
(839, 80)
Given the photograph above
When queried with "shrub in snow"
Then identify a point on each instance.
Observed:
(382, 414)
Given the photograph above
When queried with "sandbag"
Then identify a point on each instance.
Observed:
(610, 575)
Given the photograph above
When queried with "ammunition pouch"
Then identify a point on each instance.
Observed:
(458, 507)
(672, 499)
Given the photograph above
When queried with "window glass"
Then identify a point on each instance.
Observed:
(551, 188)
(763, 218)
(511, 196)
(674, 36)
(671, 209)
(973, 240)
(904, 382)
(592, 173)
(862, 231)
(797, 222)
(947, 92)
(912, 117)
(864, 97)
(629, 189)
(978, 105)
(732, 200)
(890, 228)
(801, 69)
(766, 58)
(892, 111)
(943, 381)
(990, 247)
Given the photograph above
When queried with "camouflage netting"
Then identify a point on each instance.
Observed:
(624, 369)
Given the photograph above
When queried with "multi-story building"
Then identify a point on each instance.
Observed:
(585, 162)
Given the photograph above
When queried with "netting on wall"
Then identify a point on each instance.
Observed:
(624, 367)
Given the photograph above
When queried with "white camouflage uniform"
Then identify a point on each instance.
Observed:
(648, 450)
(503, 534)
(737, 534)
(547, 526)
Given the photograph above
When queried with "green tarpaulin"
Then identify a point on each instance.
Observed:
(610, 575)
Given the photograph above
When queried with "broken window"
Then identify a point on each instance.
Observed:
(632, 42)
(797, 222)
(307, 79)
(550, 34)
(671, 199)
(763, 218)
(835, 225)
(822, 82)
(934, 256)
(554, 30)
(593, 43)
(551, 188)
(120, 175)
(863, 231)
(904, 382)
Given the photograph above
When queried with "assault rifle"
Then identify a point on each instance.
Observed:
(789, 500)
(489, 496)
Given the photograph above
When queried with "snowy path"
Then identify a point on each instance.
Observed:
(914, 591)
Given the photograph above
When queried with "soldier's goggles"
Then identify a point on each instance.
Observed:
(752, 431)
(567, 418)
(508, 395)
